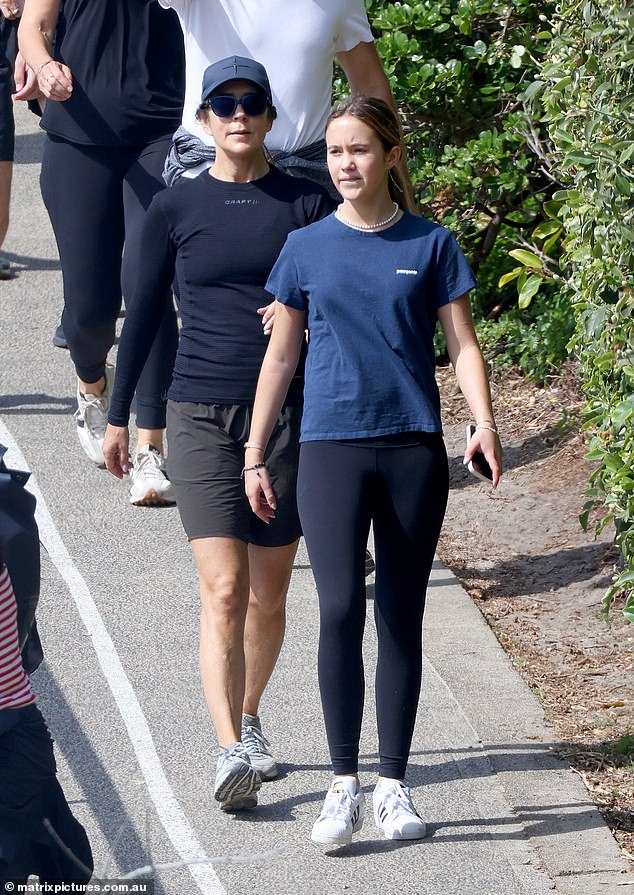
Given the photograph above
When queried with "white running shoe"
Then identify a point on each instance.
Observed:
(342, 814)
(394, 812)
(258, 747)
(150, 484)
(91, 418)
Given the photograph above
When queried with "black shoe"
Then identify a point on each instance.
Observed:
(59, 339)
(369, 563)
(5, 270)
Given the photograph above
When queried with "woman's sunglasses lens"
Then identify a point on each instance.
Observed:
(225, 106)
(254, 104)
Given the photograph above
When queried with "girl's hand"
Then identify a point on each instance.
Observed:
(116, 450)
(268, 317)
(259, 491)
(488, 443)
(55, 80)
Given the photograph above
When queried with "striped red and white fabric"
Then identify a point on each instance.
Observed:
(15, 686)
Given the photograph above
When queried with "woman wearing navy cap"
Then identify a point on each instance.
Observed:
(220, 234)
(370, 282)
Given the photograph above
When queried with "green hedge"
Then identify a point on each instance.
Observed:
(586, 88)
(457, 70)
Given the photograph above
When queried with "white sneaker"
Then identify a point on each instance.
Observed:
(394, 812)
(342, 814)
(91, 418)
(150, 485)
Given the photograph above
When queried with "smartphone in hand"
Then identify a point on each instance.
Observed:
(478, 465)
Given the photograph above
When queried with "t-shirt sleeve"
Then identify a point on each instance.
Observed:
(284, 280)
(145, 311)
(452, 276)
(354, 27)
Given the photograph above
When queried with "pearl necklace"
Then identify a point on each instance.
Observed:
(376, 226)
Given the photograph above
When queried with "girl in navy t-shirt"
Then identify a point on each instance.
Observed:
(369, 281)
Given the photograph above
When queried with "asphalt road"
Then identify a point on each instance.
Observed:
(120, 689)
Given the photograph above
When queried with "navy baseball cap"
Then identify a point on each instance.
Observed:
(235, 68)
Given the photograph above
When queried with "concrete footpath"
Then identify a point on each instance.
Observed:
(120, 690)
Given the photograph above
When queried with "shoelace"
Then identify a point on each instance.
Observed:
(337, 804)
(93, 410)
(148, 463)
(234, 751)
(397, 799)
(252, 737)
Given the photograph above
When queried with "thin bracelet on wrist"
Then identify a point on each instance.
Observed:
(249, 468)
(488, 428)
(254, 445)
(41, 66)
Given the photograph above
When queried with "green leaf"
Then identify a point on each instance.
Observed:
(622, 185)
(553, 207)
(528, 290)
(508, 277)
(547, 228)
(579, 158)
(622, 413)
(528, 259)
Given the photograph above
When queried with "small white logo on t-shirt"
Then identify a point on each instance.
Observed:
(405, 272)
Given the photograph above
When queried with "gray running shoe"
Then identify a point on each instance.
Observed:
(369, 563)
(258, 747)
(236, 781)
(91, 418)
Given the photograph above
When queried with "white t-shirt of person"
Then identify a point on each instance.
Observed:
(295, 40)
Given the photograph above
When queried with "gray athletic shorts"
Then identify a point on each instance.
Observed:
(205, 459)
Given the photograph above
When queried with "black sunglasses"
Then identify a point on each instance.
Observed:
(225, 106)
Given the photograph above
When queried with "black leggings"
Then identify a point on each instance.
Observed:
(403, 491)
(96, 197)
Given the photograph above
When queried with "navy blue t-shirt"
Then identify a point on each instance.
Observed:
(372, 301)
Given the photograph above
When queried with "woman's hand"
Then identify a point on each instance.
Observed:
(116, 450)
(26, 86)
(11, 10)
(268, 317)
(260, 493)
(55, 80)
(488, 443)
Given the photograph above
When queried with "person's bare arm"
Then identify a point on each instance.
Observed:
(278, 368)
(466, 357)
(35, 40)
(364, 72)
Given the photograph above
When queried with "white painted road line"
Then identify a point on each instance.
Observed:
(171, 815)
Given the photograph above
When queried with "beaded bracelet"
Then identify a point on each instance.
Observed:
(488, 428)
(249, 468)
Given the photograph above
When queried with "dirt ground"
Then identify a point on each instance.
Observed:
(539, 579)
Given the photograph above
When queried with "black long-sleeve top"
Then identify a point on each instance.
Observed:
(220, 239)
